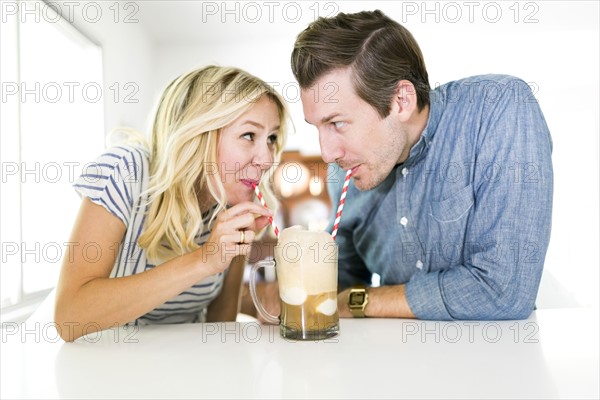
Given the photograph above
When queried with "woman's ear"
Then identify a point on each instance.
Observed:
(404, 101)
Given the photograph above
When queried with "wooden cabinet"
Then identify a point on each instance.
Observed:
(291, 172)
(300, 184)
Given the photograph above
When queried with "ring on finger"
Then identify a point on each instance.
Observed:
(242, 236)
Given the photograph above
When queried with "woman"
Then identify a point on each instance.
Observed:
(158, 228)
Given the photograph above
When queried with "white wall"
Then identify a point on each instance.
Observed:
(128, 57)
(269, 59)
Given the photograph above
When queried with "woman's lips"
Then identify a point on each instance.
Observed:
(250, 183)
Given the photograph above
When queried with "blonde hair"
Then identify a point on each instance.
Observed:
(191, 112)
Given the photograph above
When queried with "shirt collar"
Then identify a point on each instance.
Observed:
(419, 150)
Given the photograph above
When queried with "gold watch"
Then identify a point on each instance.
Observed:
(357, 300)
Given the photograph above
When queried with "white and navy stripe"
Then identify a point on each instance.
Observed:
(116, 181)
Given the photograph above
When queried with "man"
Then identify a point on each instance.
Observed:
(451, 194)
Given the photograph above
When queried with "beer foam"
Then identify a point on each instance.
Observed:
(294, 296)
(306, 259)
(328, 307)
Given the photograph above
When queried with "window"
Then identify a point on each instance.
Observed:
(52, 124)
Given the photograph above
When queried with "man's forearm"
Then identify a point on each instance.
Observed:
(384, 302)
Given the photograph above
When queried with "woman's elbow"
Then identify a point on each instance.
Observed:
(64, 328)
(66, 325)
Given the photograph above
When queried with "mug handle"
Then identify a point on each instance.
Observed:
(259, 307)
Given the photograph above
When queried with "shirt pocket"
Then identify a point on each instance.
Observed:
(455, 207)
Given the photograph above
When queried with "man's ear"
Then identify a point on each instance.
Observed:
(404, 101)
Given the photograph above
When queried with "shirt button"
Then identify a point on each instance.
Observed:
(404, 171)
(419, 264)
(404, 221)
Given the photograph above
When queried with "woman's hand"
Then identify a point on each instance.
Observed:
(233, 234)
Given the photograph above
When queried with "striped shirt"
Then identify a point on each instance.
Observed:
(117, 181)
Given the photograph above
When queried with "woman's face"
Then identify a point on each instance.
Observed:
(246, 149)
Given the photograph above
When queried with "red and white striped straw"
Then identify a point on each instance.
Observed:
(338, 214)
(262, 201)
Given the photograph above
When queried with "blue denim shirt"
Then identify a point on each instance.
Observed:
(465, 221)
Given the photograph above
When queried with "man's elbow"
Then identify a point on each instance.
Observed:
(517, 313)
(512, 307)
(503, 307)
(521, 308)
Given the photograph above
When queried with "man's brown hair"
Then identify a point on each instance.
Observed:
(380, 52)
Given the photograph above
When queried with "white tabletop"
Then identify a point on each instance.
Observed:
(554, 354)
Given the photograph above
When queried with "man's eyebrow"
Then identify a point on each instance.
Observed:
(327, 118)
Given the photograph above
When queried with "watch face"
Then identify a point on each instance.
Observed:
(357, 299)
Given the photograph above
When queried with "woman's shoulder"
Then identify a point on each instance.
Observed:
(131, 158)
(128, 152)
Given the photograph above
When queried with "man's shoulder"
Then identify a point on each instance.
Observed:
(480, 89)
(482, 84)
(486, 78)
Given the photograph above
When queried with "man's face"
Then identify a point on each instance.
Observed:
(351, 132)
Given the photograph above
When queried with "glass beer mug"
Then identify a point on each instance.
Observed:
(306, 265)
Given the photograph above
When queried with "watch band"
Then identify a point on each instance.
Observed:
(358, 299)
